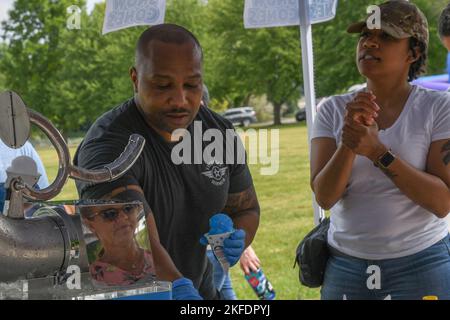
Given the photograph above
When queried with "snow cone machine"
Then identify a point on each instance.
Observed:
(47, 255)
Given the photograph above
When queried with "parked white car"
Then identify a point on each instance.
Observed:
(241, 116)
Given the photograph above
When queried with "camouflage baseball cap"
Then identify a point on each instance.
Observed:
(399, 18)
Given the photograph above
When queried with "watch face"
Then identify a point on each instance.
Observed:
(387, 159)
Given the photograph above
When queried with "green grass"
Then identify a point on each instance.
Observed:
(286, 214)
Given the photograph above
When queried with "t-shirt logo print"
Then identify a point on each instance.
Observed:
(216, 173)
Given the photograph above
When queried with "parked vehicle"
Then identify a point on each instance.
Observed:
(300, 115)
(243, 116)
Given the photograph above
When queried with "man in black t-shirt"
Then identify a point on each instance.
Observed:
(180, 191)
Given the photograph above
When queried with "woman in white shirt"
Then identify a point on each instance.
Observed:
(379, 162)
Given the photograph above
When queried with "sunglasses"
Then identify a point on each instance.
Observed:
(111, 214)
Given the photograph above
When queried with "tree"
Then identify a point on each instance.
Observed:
(35, 52)
(245, 62)
(95, 75)
(2, 75)
(73, 76)
(436, 52)
(189, 14)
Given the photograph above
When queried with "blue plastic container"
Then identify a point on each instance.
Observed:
(259, 283)
(2, 196)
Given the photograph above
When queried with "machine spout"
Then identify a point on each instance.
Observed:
(45, 245)
(30, 248)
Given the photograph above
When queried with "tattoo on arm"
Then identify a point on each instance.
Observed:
(389, 173)
(446, 151)
(238, 203)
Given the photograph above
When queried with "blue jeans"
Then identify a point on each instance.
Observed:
(426, 273)
(222, 280)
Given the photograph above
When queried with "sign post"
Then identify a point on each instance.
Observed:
(259, 14)
(308, 83)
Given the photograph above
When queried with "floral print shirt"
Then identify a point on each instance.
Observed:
(104, 273)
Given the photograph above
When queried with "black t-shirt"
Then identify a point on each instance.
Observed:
(182, 197)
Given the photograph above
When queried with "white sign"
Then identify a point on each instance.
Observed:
(121, 14)
(278, 13)
(322, 10)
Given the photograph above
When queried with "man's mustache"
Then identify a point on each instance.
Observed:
(178, 110)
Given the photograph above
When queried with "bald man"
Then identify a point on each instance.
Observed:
(179, 197)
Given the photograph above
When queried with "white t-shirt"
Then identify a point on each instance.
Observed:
(7, 155)
(374, 219)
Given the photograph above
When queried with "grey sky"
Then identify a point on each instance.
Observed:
(5, 5)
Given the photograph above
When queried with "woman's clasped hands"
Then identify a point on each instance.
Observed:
(360, 131)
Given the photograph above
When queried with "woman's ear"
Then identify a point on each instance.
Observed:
(414, 54)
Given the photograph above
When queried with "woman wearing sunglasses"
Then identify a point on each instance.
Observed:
(379, 162)
(121, 261)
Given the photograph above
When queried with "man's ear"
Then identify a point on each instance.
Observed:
(134, 78)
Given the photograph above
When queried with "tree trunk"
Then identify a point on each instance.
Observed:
(246, 101)
(277, 113)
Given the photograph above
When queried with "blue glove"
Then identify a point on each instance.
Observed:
(203, 240)
(233, 246)
(183, 289)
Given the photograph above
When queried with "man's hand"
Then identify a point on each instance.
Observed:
(249, 261)
(233, 246)
(183, 289)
